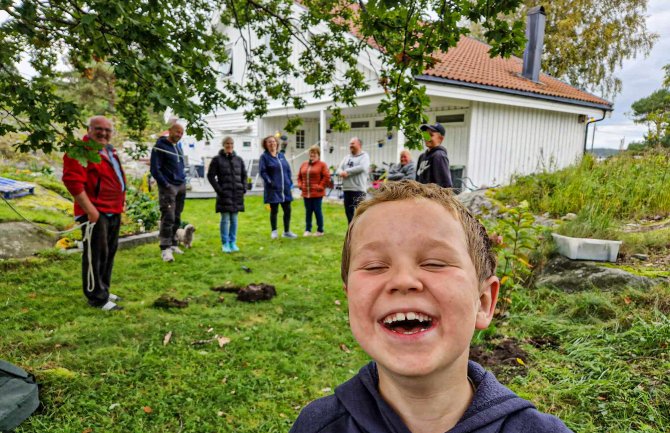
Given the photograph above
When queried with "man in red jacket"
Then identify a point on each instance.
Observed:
(99, 192)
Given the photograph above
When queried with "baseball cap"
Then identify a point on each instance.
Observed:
(437, 128)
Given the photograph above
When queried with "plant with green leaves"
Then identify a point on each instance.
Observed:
(142, 208)
(516, 238)
(168, 54)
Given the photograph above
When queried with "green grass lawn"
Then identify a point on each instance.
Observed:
(606, 368)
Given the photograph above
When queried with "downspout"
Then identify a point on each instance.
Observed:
(586, 132)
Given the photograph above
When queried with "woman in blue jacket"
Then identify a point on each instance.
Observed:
(277, 185)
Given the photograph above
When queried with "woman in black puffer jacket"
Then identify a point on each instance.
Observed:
(228, 177)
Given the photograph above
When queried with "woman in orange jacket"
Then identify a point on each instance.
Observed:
(313, 178)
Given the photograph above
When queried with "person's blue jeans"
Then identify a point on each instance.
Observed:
(228, 227)
(313, 207)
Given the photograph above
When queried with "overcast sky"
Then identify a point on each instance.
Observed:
(640, 78)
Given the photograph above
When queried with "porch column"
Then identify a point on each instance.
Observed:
(400, 145)
(322, 133)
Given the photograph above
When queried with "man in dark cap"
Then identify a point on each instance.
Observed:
(433, 164)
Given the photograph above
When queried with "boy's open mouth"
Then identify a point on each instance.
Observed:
(407, 323)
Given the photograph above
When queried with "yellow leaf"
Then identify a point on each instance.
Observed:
(504, 280)
(520, 361)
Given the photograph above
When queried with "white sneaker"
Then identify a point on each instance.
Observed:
(274, 234)
(167, 256)
(307, 234)
(176, 250)
(289, 235)
(114, 298)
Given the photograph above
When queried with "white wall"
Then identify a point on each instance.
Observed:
(507, 140)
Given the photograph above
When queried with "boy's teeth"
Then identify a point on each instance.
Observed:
(411, 315)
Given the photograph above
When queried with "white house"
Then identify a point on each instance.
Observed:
(498, 122)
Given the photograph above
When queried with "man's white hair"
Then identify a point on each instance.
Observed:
(98, 117)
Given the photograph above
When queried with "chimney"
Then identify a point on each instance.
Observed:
(532, 56)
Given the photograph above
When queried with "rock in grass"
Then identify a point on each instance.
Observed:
(167, 301)
(574, 276)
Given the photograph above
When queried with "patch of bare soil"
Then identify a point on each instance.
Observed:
(505, 358)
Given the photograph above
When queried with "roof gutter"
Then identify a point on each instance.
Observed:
(586, 131)
(522, 93)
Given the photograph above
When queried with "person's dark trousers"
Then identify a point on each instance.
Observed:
(313, 206)
(103, 244)
(274, 210)
(351, 200)
(171, 202)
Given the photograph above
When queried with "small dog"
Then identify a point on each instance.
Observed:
(185, 235)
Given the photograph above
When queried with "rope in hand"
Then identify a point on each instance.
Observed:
(61, 232)
(88, 236)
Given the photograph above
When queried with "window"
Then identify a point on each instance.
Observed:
(361, 124)
(246, 144)
(300, 139)
(379, 124)
(227, 67)
(450, 118)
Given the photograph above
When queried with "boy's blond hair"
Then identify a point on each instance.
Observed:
(478, 242)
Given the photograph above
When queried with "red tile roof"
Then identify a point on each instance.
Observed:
(469, 61)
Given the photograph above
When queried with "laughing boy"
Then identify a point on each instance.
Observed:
(419, 274)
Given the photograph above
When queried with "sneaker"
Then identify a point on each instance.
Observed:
(176, 250)
(226, 248)
(274, 234)
(110, 306)
(114, 298)
(289, 235)
(167, 256)
(306, 234)
(318, 234)
(233, 247)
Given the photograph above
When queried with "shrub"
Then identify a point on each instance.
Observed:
(142, 207)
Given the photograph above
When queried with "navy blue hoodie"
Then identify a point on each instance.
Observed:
(357, 407)
(167, 164)
(433, 167)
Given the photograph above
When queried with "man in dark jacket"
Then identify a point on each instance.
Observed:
(433, 164)
(167, 167)
(99, 192)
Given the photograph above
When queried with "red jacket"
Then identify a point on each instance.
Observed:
(313, 179)
(98, 180)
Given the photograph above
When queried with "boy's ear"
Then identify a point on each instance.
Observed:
(344, 287)
(488, 297)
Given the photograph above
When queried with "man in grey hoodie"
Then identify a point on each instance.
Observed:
(354, 172)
